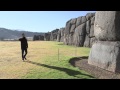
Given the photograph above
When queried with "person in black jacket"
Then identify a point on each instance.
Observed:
(24, 46)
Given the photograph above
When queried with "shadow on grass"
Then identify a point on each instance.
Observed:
(73, 60)
(68, 71)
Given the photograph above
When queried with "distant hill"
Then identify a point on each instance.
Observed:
(13, 34)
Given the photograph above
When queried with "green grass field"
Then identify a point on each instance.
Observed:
(45, 60)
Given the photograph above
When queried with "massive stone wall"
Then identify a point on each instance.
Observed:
(105, 52)
(77, 31)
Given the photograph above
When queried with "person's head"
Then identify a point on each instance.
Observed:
(23, 35)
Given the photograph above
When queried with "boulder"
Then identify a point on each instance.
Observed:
(107, 26)
(106, 55)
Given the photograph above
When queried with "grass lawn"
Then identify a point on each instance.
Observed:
(45, 60)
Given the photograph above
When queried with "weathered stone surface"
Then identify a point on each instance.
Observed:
(67, 28)
(106, 55)
(83, 19)
(107, 26)
(89, 15)
(70, 42)
(92, 31)
(66, 39)
(53, 35)
(92, 41)
(62, 31)
(88, 26)
(59, 36)
(87, 41)
(41, 37)
(92, 20)
(72, 28)
(47, 36)
(73, 21)
(62, 34)
(78, 31)
(79, 21)
(79, 36)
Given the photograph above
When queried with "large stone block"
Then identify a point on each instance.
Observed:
(89, 15)
(88, 27)
(67, 28)
(107, 25)
(83, 19)
(73, 21)
(62, 31)
(79, 35)
(106, 55)
(92, 31)
(59, 36)
(92, 20)
(87, 41)
(70, 40)
(79, 21)
(72, 28)
(92, 41)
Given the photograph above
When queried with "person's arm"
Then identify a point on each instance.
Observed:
(26, 43)
(20, 39)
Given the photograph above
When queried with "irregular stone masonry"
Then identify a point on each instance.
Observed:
(78, 31)
(105, 52)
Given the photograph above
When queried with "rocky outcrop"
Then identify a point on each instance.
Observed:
(105, 52)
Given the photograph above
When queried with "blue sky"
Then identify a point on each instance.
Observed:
(37, 21)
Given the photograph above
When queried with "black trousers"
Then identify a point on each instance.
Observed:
(24, 52)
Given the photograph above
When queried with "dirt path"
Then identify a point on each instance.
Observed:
(82, 63)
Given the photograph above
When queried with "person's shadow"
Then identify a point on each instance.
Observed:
(70, 72)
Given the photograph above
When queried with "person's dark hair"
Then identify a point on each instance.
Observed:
(23, 34)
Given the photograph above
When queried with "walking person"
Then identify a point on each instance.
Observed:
(24, 46)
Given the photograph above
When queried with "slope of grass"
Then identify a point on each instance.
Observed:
(46, 60)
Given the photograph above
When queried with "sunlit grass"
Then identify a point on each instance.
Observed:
(46, 60)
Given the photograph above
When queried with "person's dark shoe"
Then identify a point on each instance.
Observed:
(25, 58)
